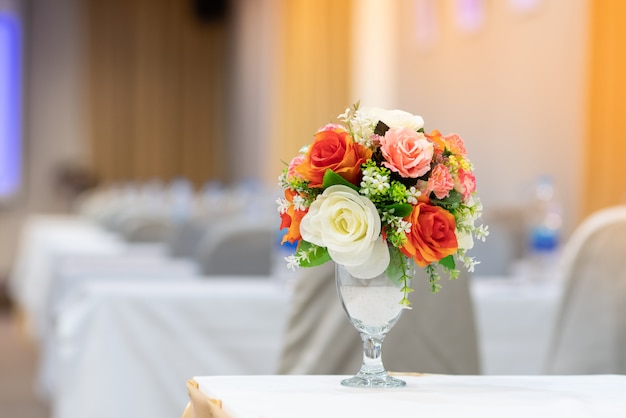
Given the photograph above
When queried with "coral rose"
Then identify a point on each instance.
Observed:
(295, 162)
(333, 148)
(440, 181)
(291, 219)
(455, 144)
(432, 236)
(406, 152)
(466, 184)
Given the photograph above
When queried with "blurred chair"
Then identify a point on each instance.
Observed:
(186, 236)
(590, 332)
(436, 336)
(238, 245)
(145, 228)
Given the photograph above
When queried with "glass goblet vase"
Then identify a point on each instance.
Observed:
(373, 306)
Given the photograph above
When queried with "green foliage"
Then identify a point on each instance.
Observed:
(396, 269)
(451, 202)
(400, 271)
(433, 278)
(332, 179)
(448, 262)
(311, 255)
(399, 209)
(397, 192)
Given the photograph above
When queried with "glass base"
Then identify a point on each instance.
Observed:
(373, 381)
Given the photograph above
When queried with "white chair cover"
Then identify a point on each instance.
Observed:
(145, 228)
(238, 245)
(590, 333)
(436, 336)
(186, 236)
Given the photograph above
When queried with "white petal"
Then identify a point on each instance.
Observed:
(310, 226)
(375, 264)
(465, 240)
(354, 256)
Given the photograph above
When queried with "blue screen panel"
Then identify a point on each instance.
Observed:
(10, 105)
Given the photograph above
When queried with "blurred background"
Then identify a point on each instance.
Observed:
(98, 94)
(117, 91)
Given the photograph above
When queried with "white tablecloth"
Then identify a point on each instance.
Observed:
(433, 396)
(515, 320)
(43, 238)
(71, 273)
(125, 350)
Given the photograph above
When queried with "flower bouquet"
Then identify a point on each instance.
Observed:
(375, 190)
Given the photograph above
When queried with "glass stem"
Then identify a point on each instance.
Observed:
(372, 355)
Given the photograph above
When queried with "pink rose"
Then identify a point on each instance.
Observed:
(331, 127)
(440, 181)
(406, 152)
(466, 183)
(295, 162)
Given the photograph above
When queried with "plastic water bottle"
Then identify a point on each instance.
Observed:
(544, 230)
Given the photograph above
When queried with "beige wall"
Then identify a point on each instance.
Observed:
(515, 90)
(255, 32)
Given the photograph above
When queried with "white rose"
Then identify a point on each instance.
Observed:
(348, 225)
(392, 118)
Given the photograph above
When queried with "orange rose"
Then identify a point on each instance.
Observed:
(452, 142)
(334, 149)
(432, 234)
(291, 219)
(435, 138)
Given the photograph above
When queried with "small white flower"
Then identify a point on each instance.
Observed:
(282, 180)
(299, 203)
(482, 232)
(404, 226)
(345, 115)
(292, 262)
(412, 195)
(283, 205)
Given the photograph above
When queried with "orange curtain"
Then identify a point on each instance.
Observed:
(312, 73)
(157, 90)
(605, 171)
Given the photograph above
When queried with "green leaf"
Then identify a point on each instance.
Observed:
(312, 255)
(452, 201)
(333, 179)
(394, 270)
(400, 209)
(398, 268)
(448, 262)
